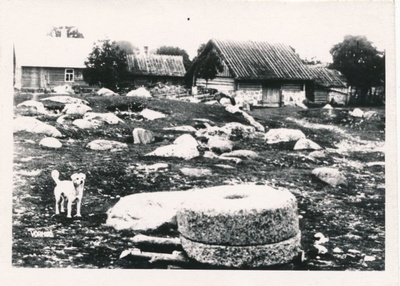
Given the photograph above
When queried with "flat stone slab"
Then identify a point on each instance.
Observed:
(330, 176)
(243, 154)
(109, 118)
(243, 256)
(278, 135)
(65, 99)
(306, 144)
(196, 172)
(33, 125)
(76, 109)
(102, 145)
(184, 147)
(32, 106)
(146, 211)
(51, 143)
(239, 215)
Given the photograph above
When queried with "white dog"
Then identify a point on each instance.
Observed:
(72, 190)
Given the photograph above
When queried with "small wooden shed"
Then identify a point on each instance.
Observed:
(258, 73)
(151, 68)
(329, 84)
(50, 62)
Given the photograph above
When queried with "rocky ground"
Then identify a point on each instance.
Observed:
(351, 216)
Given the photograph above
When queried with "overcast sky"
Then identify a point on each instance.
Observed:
(312, 28)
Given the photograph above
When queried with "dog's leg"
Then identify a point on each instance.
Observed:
(78, 207)
(57, 202)
(62, 204)
(69, 208)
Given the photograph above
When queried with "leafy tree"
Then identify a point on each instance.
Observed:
(106, 65)
(127, 47)
(71, 32)
(360, 62)
(208, 64)
(312, 61)
(175, 51)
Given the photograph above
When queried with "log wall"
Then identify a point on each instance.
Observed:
(43, 77)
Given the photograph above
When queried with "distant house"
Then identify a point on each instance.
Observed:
(151, 68)
(50, 62)
(259, 73)
(329, 84)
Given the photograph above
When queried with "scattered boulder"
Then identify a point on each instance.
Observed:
(306, 144)
(33, 125)
(317, 155)
(235, 109)
(184, 147)
(66, 100)
(76, 109)
(109, 118)
(32, 107)
(105, 92)
(140, 92)
(64, 89)
(196, 172)
(146, 212)
(357, 112)
(237, 130)
(371, 115)
(101, 145)
(142, 136)
(184, 128)
(154, 167)
(86, 124)
(210, 155)
(225, 101)
(220, 144)
(258, 126)
(186, 140)
(62, 119)
(151, 114)
(243, 154)
(283, 135)
(330, 176)
(51, 143)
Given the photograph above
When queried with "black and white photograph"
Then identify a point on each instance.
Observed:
(198, 138)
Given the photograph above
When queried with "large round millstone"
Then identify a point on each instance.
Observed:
(239, 215)
(243, 256)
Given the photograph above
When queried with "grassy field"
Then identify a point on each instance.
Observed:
(352, 217)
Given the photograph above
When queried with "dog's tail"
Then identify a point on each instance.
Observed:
(55, 175)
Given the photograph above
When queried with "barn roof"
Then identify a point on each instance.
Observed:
(156, 65)
(261, 60)
(53, 52)
(328, 77)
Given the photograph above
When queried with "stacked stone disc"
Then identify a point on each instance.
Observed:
(240, 226)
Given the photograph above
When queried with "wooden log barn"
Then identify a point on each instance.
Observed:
(329, 85)
(259, 73)
(152, 68)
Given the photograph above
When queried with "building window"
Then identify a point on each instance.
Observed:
(69, 75)
(78, 75)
